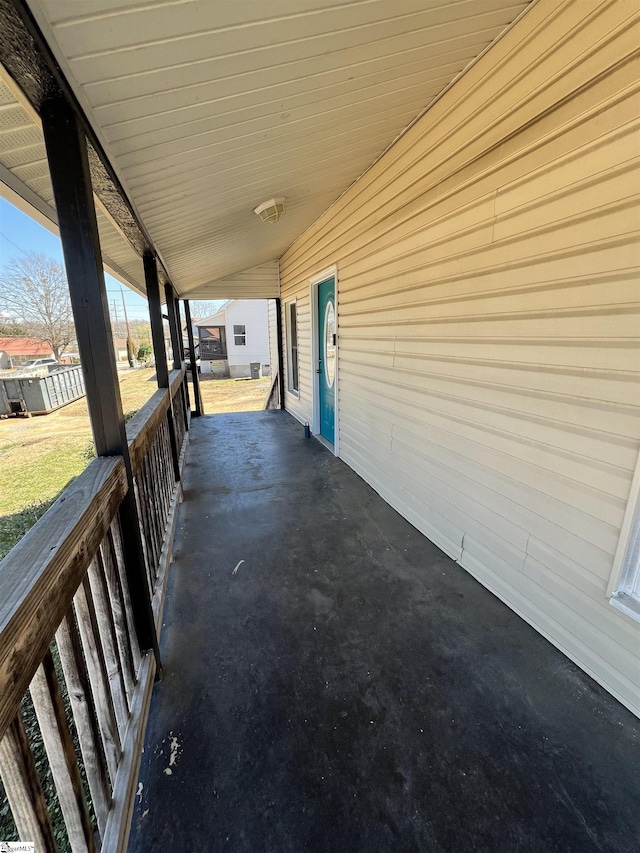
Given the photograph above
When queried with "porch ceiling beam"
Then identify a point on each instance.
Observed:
(27, 57)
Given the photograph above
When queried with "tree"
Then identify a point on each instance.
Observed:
(34, 290)
(10, 329)
(201, 308)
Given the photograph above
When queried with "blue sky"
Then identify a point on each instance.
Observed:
(20, 234)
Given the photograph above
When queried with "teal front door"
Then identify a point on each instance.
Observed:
(327, 357)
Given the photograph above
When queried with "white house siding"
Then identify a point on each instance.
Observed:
(253, 315)
(488, 303)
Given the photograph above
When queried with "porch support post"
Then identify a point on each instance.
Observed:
(159, 350)
(173, 314)
(174, 328)
(280, 358)
(185, 384)
(197, 401)
(71, 181)
(179, 319)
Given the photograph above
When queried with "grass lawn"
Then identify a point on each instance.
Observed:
(40, 456)
(232, 395)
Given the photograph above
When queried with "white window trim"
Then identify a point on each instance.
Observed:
(295, 392)
(624, 584)
(240, 334)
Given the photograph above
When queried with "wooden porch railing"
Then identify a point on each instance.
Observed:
(272, 400)
(68, 651)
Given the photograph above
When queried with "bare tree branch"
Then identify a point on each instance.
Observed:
(34, 291)
(201, 308)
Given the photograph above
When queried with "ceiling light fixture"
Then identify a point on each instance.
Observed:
(270, 211)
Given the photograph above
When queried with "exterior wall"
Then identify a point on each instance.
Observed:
(273, 336)
(17, 350)
(220, 367)
(253, 314)
(488, 307)
(256, 283)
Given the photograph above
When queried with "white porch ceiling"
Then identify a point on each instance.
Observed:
(208, 107)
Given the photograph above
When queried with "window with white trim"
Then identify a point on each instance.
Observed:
(292, 346)
(240, 336)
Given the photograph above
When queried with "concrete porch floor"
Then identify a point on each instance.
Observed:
(350, 688)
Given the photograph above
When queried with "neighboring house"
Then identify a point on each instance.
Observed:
(15, 351)
(120, 347)
(236, 337)
(194, 330)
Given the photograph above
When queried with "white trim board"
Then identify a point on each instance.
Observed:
(622, 590)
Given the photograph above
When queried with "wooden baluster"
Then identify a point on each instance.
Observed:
(159, 467)
(156, 506)
(116, 541)
(82, 705)
(147, 548)
(153, 524)
(185, 402)
(159, 510)
(49, 708)
(23, 789)
(153, 508)
(168, 481)
(108, 640)
(105, 711)
(115, 600)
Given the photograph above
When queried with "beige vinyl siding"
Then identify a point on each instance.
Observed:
(488, 322)
(257, 283)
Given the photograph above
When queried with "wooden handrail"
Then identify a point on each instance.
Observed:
(273, 394)
(40, 576)
(142, 429)
(175, 378)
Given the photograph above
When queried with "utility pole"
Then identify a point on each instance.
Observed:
(126, 320)
(114, 329)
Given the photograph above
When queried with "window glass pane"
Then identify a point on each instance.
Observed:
(212, 342)
(293, 347)
(330, 344)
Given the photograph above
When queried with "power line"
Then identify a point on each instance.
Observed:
(9, 240)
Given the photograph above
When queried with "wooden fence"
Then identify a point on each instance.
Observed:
(68, 650)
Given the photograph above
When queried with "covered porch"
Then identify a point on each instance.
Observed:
(333, 681)
(454, 286)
